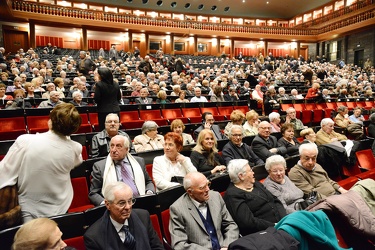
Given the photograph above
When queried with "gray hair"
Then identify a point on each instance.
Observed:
(75, 93)
(273, 116)
(189, 178)
(372, 118)
(326, 121)
(342, 108)
(109, 191)
(307, 146)
(290, 109)
(235, 167)
(235, 127)
(149, 126)
(274, 160)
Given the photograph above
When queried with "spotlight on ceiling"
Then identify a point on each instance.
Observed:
(200, 7)
(130, 1)
(187, 6)
(144, 1)
(159, 3)
(226, 8)
(173, 4)
(213, 8)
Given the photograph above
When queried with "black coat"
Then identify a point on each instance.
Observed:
(231, 151)
(107, 97)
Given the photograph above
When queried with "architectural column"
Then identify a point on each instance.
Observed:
(218, 52)
(147, 41)
(32, 35)
(195, 45)
(232, 48)
(298, 49)
(130, 41)
(172, 44)
(265, 49)
(84, 44)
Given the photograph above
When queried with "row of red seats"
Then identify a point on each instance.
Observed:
(36, 121)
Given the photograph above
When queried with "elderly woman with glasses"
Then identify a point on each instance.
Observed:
(251, 205)
(280, 185)
(149, 139)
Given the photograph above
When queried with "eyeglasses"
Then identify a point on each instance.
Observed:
(208, 184)
(122, 204)
(109, 122)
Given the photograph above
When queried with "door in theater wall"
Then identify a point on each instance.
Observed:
(358, 57)
(15, 40)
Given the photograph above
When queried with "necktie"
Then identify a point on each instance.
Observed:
(129, 238)
(128, 179)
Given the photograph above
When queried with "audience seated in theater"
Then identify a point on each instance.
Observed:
(44, 187)
(232, 95)
(288, 140)
(291, 118)
(251, 205)
(326, 134)
(51, 87)
(237, 117)
(264, 144)
(81, 86)
(37, 82)
(143, 97)
(314, 91)
(170, 168)
(282, 95)
(252, 123)
(343, 121)
(257, 94)
(162, 97)
(199, 219)
(100, 142)
(30, 91)
(275, 120)
(40, 233)
(280, 185)
(236, 149)
(208, 123)
(53, 100)
(149, 139)
(308, 135)
(3, 96)
(198, 96)
(16, 85)
(270, 101)
(357, 116)
(294, 95)
(178, 127)
(181, 97)
(204, 155)
(309, 176)
(122, 227)
(18, 101)
(137, 90)
(218, 95)
(77, 99)
(119, 165)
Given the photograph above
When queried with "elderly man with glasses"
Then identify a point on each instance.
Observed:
(236, 149)
(199, 218)
(264, 144)
(122, 227)
(100, 141)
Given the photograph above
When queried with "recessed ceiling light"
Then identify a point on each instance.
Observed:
(187, 6)
(173, 4)
(159, 3)
(144, 1)
(226, 8)
(130, 1)
(200, 7)
(213, 8)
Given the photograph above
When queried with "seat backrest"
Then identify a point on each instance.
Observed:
(165, 215)
(155, 223)
(150, 114)
(76, 242)
(71, 224)
(212, 110)
(37, 123)
(80, 192)
(365, 159)
(171, 113)
(226, 110)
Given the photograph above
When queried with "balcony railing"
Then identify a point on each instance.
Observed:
(306, 29)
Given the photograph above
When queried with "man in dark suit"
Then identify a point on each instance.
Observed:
(264, 144)
(208, 123)
(121, 227)
(199, 218)
(143, 99)
(119, 165)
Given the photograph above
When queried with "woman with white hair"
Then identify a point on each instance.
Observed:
(77, 99)
(149, 139)
(280, 185)
(251, 205)
(275, 122)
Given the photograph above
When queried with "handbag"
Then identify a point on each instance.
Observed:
(311, 198)
(10, 210)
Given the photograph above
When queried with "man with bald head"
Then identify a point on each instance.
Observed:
(119, 165)
(199, 218)
(264, 144)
